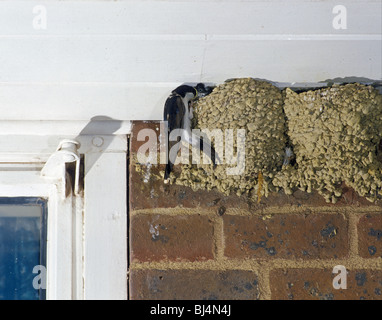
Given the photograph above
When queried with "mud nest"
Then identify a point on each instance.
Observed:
(251, 105)
(335, 133)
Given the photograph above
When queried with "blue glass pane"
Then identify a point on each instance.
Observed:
(21, 234)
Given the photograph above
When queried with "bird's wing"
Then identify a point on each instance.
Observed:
(174, 111)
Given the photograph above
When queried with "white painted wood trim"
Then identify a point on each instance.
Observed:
(64, 128)
(121, 59)
(105, 220)
(38, 148)
(59, 247)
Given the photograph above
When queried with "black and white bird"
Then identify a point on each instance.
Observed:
(178, 113)
(203, 90)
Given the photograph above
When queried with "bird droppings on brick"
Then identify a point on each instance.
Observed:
(146, 176)
(155, 235)
(153, 230)
(171, 238)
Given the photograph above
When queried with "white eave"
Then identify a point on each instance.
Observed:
(118, 60)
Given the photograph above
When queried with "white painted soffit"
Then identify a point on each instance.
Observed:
(121, 59)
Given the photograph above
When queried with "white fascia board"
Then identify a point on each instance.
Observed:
(64, 127)
(20, 149)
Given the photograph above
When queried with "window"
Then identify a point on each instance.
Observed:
(78, 234)
(22, 247)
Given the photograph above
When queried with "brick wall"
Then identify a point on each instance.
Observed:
(204, 245)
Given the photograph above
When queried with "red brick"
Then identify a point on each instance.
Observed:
(349, 198)
(286, 236)
(193, 285)
(147, 191)
(156, 237)
(352, 198)
(317, 284)
(137, 127)
(370, 236)
(186, 197)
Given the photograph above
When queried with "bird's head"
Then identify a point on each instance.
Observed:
(187, 92)
(203, 90)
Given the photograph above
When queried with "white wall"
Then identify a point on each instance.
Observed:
(120, 59)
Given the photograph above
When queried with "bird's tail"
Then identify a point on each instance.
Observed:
(196, 142)
(167, 172)
(205, 146)
(202, 145)
(169, 163)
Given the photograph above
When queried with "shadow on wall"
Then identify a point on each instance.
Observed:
(99, 125)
